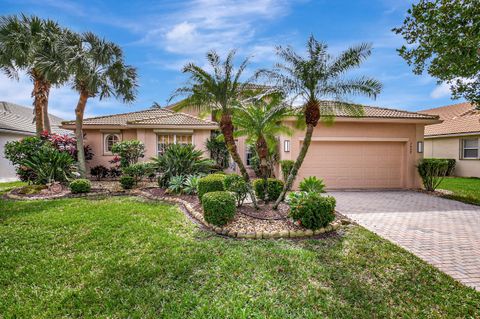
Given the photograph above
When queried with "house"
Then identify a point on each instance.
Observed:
(377, 150)
(17, 122)
(457, 137)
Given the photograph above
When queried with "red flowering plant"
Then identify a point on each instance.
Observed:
(65, 143)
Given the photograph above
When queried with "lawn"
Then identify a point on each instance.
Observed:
(5, 187)
(126, 257)
(464, 189)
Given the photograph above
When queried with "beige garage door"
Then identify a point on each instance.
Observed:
(356, 164)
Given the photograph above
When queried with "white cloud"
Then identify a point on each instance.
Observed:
(441, 91)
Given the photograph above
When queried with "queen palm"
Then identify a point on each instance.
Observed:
(99, 70)
(318, 76)
(218, 92)
(29, 44)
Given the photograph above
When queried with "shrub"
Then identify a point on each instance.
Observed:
(218, 207)
(81, 185)
(259, 188)
(271, 192)
(191, 184)
(137, 171)
(210, 183)
(99, 172)
(127, 182)
(451, 166)
(114, 172)
(313, 210)
(432, 171)
(176, 184)
(218, 152)
(312, 184)
(129, 151)
(286, 166)
(236, 184)
(181, 159)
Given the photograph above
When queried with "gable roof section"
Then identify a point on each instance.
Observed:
(20, 119)
(457, 119)
(155, 116)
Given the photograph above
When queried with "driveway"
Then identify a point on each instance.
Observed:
(443, 232)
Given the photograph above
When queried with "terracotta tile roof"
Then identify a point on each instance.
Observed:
(155, 116)
(457, 119)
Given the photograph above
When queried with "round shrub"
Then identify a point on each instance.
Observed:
(274, 188)
(127, 181)
(259, 188)
(236, 184)
(210, 183)
(313, 210)
(218, 207)
(80, 186)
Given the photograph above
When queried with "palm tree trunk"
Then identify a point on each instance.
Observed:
(46, 119)
(79, 112)
(262, 151)
(40, 91)
(226, 126)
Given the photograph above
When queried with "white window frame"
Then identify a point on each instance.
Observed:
(105, 144)
(463, 148)
(175, 134)
(248, 151)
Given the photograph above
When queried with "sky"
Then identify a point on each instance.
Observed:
(159, 37)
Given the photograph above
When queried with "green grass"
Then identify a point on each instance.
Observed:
(5, 187)
(464, 189)
(125, 257)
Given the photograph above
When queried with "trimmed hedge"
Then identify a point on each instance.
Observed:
(127, 181)
(80, 186)
(313, 210)
(273, 189)
(218, 207)
(210, 183)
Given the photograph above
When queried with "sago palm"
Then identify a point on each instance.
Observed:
(218, 92)
(29, 44)
(99, 70)
(317, 76)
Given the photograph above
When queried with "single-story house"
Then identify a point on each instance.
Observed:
(17, 122)
(457, 137)
(378, 150)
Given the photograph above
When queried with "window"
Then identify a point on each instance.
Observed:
(165, 139)
(109, 141)
(470, 148)
(249, 156)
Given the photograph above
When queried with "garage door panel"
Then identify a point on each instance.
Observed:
(355, 164)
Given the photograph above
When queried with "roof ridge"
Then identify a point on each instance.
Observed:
(126, 113)
(448, 106)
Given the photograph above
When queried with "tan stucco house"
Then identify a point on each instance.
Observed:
(457, 137)
(377, 150)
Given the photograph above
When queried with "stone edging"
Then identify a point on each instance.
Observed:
(198, 216)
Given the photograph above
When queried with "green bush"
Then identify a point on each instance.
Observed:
(313, 210)
(191, 184)
(312, 184)
(236, 184)
(210, 183)
(81, 185)
(286, 166)
(99, 172)
(137, 171)
(260, 189)
(451, 166)
(218, 207)
(127, 181)
(129, 151)
(271, 192)
(432, 171)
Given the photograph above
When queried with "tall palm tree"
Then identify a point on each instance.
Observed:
(261, 122)
(30, 44)
(218, 92)
(99, 70)
(317, 76)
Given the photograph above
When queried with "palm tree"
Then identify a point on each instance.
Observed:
(98, 70)
(314, 77)
(218, 92)
(261, 122)
(30, 44)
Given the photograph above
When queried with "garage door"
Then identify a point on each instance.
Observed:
(355, 164)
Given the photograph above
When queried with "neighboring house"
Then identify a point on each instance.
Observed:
(457, 137)
(377, 150)
(17, 122)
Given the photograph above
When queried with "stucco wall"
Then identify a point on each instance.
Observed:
(7, 171)
(449, 147)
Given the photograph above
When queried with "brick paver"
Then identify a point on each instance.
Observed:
(443, 232)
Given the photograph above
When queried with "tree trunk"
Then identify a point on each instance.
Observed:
(46, 118)
(79, 112)
(226, 126)
(39, 94)
(262, 151)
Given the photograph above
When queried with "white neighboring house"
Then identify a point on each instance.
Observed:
(17, 122)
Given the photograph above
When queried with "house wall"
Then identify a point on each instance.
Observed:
(7, 170)
(449, 147)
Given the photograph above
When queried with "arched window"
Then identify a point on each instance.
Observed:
(109, 141)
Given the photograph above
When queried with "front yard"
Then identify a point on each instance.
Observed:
(464, 189)
(127, 257)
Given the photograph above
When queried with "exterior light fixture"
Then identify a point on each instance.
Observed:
(286, 146)
(419, 147)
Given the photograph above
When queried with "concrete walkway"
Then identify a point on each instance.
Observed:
(444, 233)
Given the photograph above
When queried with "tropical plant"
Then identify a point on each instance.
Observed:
(99, 172)
(190, 185)
(176, 184)
(66, 143)
(218, 91)
(432, 171)
(316, 76)
(312, 184)
(49, 165)
(29, 43)
(312, 210)
(180, 159)
(286, 166)
(236, 184)
(218, 207)
(218, 152)
(99, 70)
(129, 152)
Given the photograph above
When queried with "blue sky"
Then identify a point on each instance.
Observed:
(159, 37)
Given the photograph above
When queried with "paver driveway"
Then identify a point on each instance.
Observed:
(443, 232)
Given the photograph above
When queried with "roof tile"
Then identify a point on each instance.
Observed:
(457, 119)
